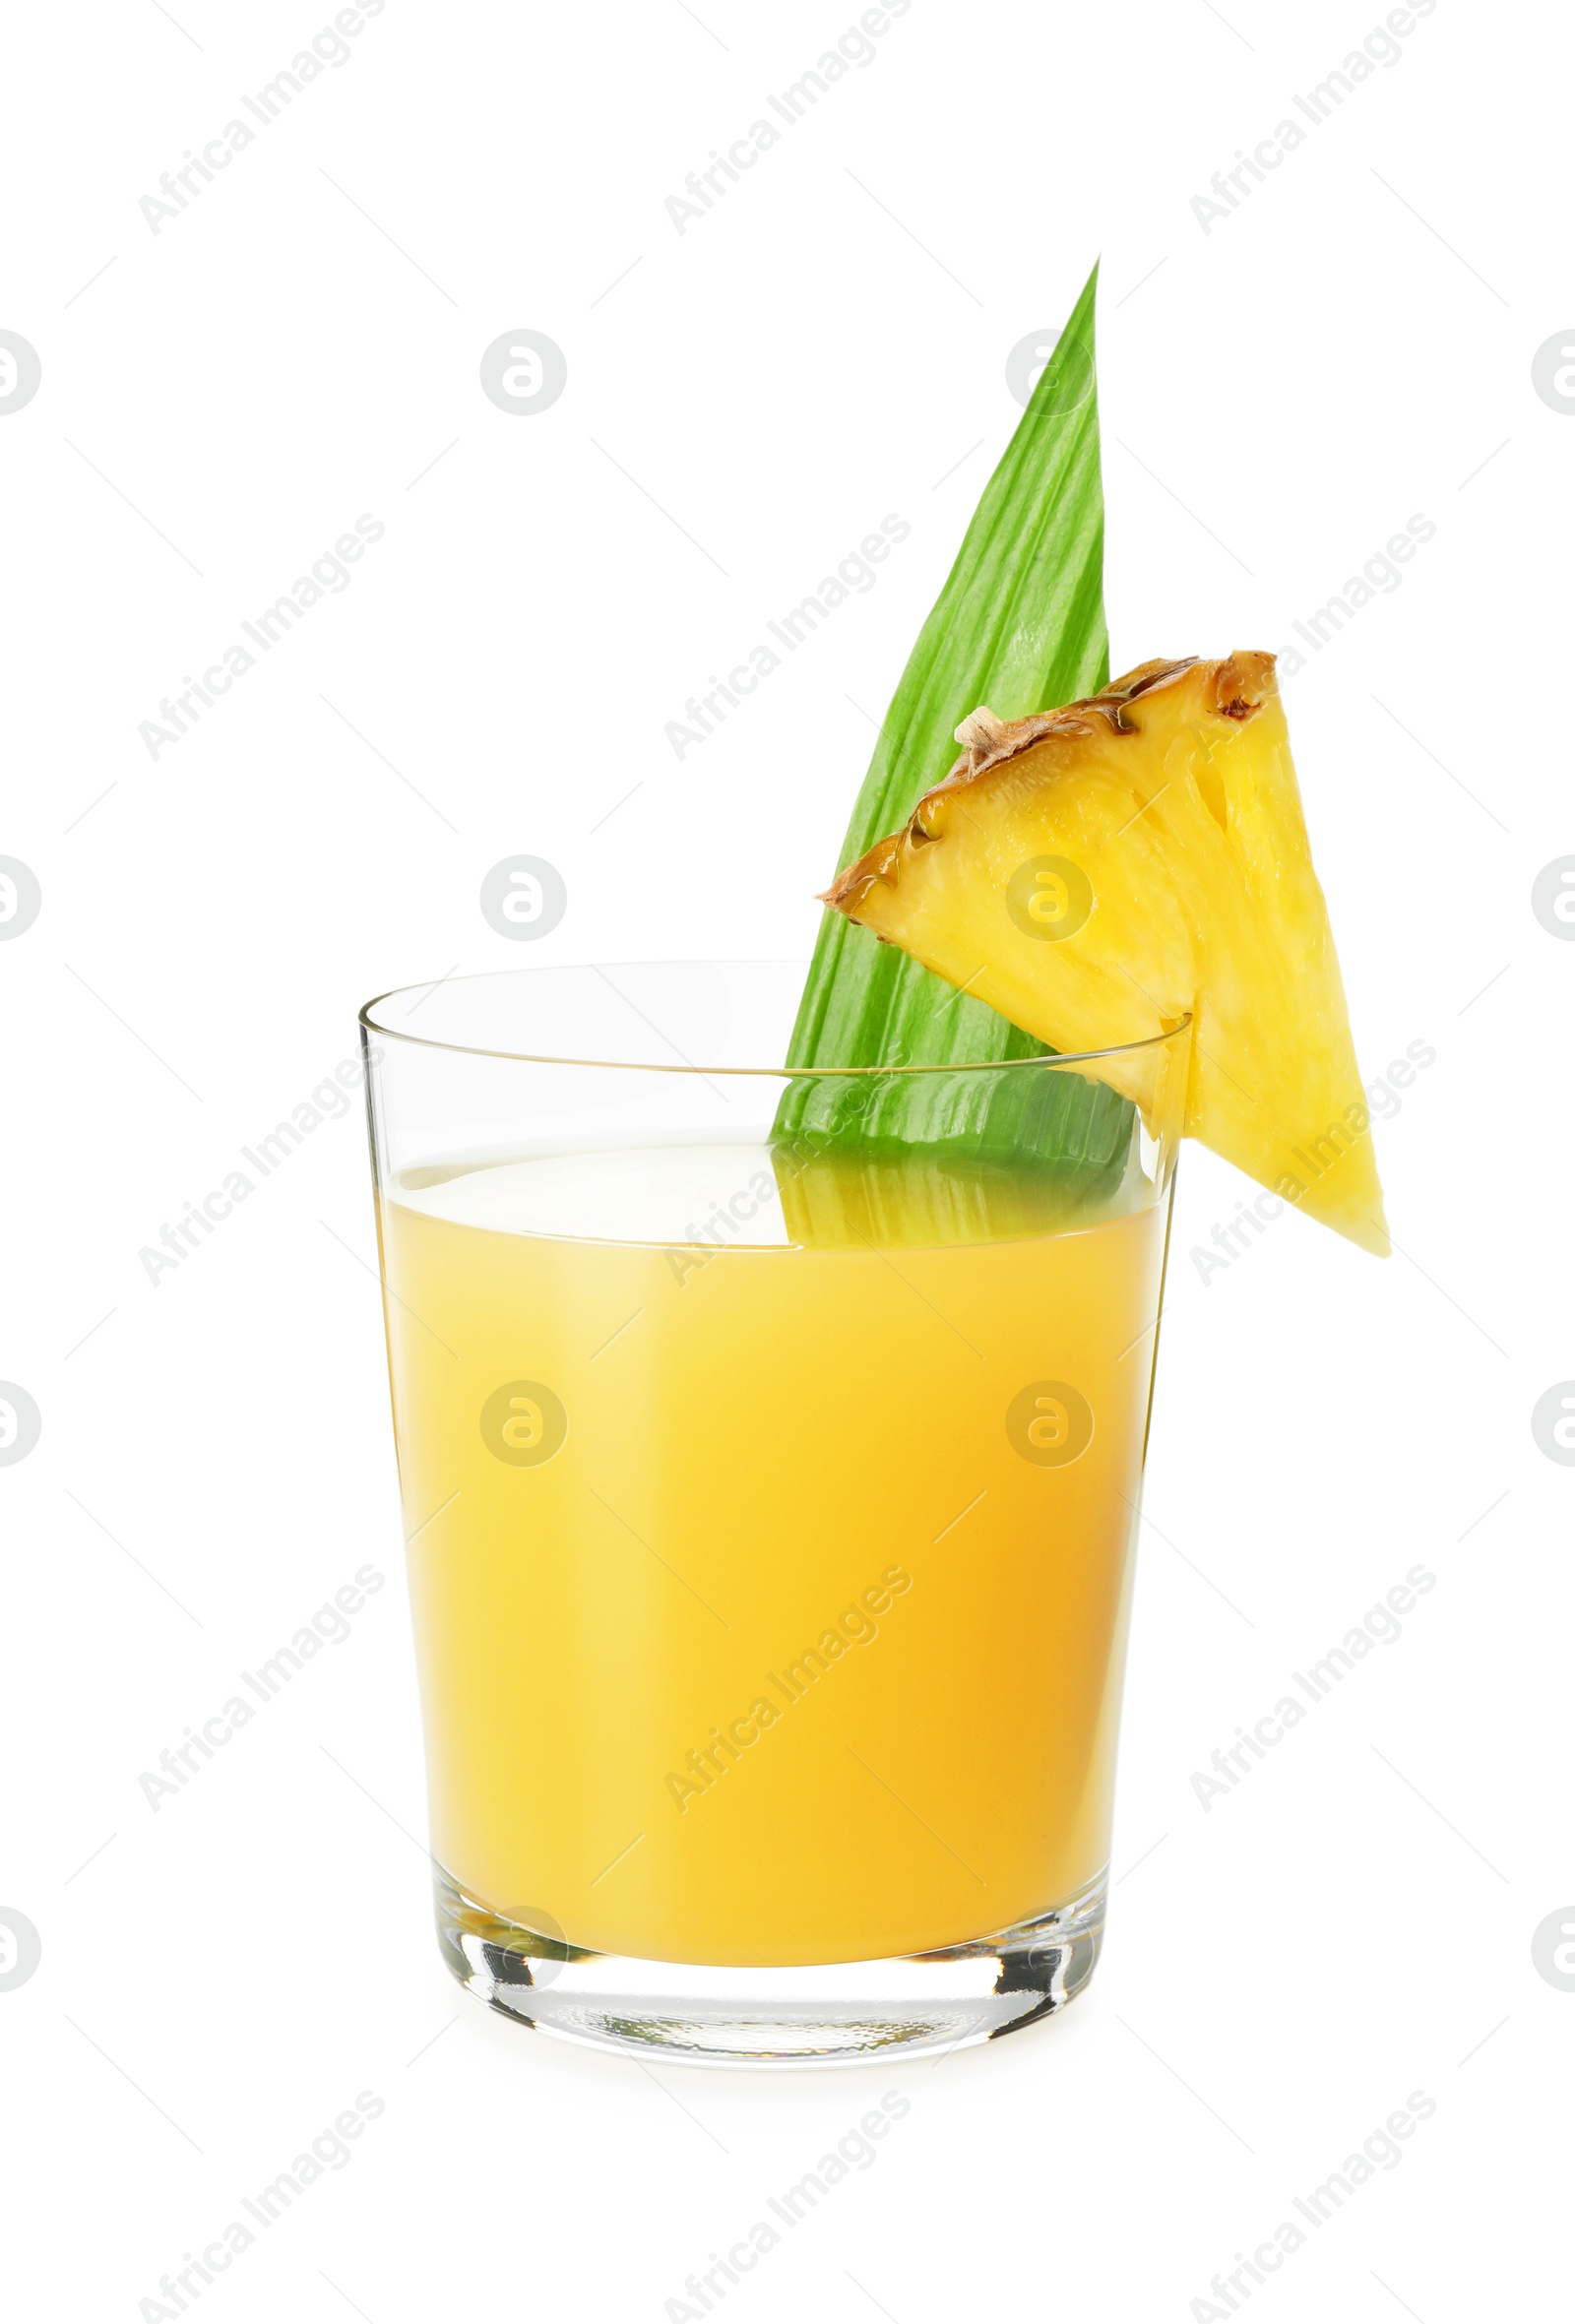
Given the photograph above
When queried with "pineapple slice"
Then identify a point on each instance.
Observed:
(1096, 872)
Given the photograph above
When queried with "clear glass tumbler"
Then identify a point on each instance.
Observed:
(770, 1448)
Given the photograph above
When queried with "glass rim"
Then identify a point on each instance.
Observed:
(1060, 1057)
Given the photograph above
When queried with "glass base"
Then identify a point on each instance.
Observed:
(844, 2013)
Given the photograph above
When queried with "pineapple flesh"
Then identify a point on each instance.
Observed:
(1097, 872)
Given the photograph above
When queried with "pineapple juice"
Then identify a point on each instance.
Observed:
(770, 1597)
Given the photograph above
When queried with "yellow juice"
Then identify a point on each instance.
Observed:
(770, 1598)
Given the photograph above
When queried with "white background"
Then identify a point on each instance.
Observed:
(1352, 345)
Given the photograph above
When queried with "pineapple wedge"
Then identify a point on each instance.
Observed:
(1096, 872)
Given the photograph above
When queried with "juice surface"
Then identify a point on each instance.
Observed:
(773, 1607)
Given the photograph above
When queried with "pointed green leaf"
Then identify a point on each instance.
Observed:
(1019, 625)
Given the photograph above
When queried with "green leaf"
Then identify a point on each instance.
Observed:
(1019, 625)
(943, 1158)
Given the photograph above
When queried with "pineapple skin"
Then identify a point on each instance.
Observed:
(1097, 873)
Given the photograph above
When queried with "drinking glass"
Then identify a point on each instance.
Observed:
(770, 1446)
